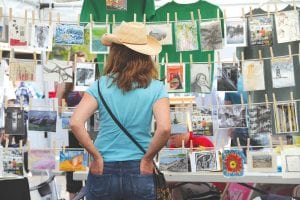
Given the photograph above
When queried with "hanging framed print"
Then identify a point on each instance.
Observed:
(287, 26)
(12, 161)
(96, 32)
(200, 78)
(42, 120)
(85, 74)
(202, 123)
(73, 160)
(41, 37)
(282, 72)
(162, 32)
(14, 121)
(20, 70)
(18, 33)
(235, 33)
(186, 36)
(175, 77)
(179, 123)
(41, 159)
(211, 35)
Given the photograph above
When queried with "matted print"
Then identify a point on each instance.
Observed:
(84, 76)
(202, 123)
(253, 75)
(22, 71)
(57, 70)
(69, 34)
(41, 159)
(290, 159)
(174, 160)
(235, 191)
(261, 28)
(41, 37)
(73, 160)
(232, 116)
(287, 26)
(260, 119)
(228, 78)
(179, 123)
(14, 121)
(116, 5)
(205, 161)
(282, 72)
(96, 32)
(262, 161)
(186, 36)
(175, 77)
(235, 33)
(211, 35)
(18, 33)
(162, 32)
(65, 119)
(200, 78)
(40, 120)
(12, 161)
(285, 115)
(233, 162)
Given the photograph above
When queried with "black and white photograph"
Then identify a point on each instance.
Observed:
(262, 161)
(228, 77)
(162, 32)
(42, 37)
(173, 160)
(12, 161)
(282, 72)
(232, 116)
(205, 161)
(200, 78)
(179, 123)
(290, 159)
(14, 121)
(211, 35)
(202, 123)
(235, 33)
(285, 114)
(260, 119)
(287, 26)
(84, 76)
(40, 120)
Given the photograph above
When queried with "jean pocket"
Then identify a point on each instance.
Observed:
(99, 185)
(142, 186)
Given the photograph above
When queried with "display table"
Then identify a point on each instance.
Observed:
(249, 177)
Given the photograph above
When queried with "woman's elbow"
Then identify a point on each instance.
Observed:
(74, 124)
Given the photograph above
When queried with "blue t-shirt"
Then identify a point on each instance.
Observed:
(134, 110)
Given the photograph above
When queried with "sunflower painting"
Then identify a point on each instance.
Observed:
(233, 162)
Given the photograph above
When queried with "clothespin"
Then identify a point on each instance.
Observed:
(91, 20)
(243, 12)
(25, 17)
(134, 17)
(271, 53)
(144, 18)
(268, 10)
(21, 102)
(28, 145)
(176, 18)
(106, 19)
(278, 129)
(50, 17)
(47, 57)
(104, 60)
(58, 18)
(281, 142)
(10, 14)
(233, 58)
(34, 57)
(167, 59)
(6, 143)
(1, 13)
(294, 5)
(199, 15)
(189, 121)
(191, 59)
(293, 110)
(209, 60)
(225, 15)
(30, 103)
(63, 104)
(248, 144)
(238, 142)
(64, 149)
(182, 144)
(113, 20)
(75, 59)
(290, 52)
(242, 99)
(219, 58)
(270, 139)
(260, 56)
(69, 55)
(180, 58)
(33, 17)
(242, 57)
(218, 14)
(266, 100)
(5, 102)
(53, 104)
(168, 18)
(20, 145)
(78, 19)
(251, 13)
(192, 17)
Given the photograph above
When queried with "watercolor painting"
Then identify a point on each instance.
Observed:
(22, 71)
(40, 120)
(200, 78)
(186, 36)
(262, 161)
(73, 160)
(175, 77)
(227, 81)
(162, 32)
(282, 72)
(287, 26)
(41, 159)
(65, 119)
(253, 75)
(174, 160)
(69, 34)
(261, 28)
(211, 35)
(235, 33)
(96, 33)
(233, 162)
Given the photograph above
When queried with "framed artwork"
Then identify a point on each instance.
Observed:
(179, 123)
(96, 32)
(285, 115)
(228, 78)
(200, 78)
(73, 160)
(41, 37)
(253, 75)
(14, 121)
(282, 72)
(174, 160)
(69, 34)
(235, 191)
(41, 159)
(22, 71)
(232, 116)
(235, 33)
(290, 159)
(262, 161)
(261, 28)
(202, 123)
(85, 74)
(175, 77)
(186, 36)
(205, 161)
(40, 120)
(12, 161)
(116, 5)
(211, 35)
(65, 119)
(162, 32)
(260, 119)
(233, 162)
(287, 26)
(18, 33)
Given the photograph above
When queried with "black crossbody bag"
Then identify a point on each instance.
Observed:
(162, 190)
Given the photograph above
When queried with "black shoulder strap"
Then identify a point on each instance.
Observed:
(117, 121)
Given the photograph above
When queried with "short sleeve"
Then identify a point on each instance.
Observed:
(93, 89)
(161, 91)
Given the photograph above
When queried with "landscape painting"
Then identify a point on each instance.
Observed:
(262, 161)
(173, 160)
(96, 32)
(39, 120)
(73, 160)
(41, 159)
(69, 34)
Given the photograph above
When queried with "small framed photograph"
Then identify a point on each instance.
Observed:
(290, 159)
(262, 161)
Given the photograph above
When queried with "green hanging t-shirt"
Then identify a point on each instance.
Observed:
(207, 10)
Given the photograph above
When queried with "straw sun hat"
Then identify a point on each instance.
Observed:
(134, 36)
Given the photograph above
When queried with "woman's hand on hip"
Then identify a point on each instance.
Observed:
(96, 166)
(146, 166)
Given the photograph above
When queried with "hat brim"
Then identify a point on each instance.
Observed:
(153, 47)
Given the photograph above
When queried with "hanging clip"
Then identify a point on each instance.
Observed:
(199, 15)
(168, 18)
(248, 144)
(192, 17)
(191, 59)
(176, 18)
(260, 56)
(50, 17)
(106, 19)
(33, 17)
(144, 18)
(266, 100)
(290, 52)
(58, 18)
(25, 17)
(167, 59)
(180, 58)
(134, 17)
(10, 14)
(91, 20)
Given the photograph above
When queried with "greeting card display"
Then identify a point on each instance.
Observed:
(186, 36)
(282, 72)
(253, 75)
(287, 26)
(228, 77)
(261, 28)
(233, 162)
(232, 116)
(174, 160)
(202, 123)
(69, 34)
(211, 35)
(205, 161)
(41, 159)
(13, 161)
(200, 78)
(14, 121)
(285, 115)
(235, 32)
(162, 32)
(73, 160)
(175, 77)
(260, 119)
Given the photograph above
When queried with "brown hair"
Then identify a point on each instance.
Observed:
(129, 67)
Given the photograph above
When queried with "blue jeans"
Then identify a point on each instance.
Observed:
(120, 180)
